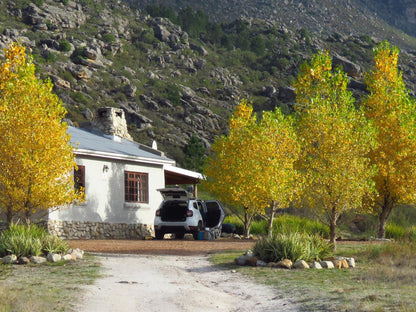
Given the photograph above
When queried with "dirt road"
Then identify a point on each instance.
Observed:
(161, 247)
(175, 283)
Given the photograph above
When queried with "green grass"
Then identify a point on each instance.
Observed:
(281, 224)
(384, 279)
(46, 287)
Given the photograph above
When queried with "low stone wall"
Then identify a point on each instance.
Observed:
(98, 230)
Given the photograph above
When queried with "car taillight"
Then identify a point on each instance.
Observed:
(189, 213)
(158, 213)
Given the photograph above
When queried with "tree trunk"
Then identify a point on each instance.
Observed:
(9, 216)
(333, 227)
(273, 206)
(247, 222)
(386, 210)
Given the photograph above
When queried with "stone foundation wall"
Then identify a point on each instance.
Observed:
(98, 230)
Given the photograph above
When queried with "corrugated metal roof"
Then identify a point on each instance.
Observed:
(85, 140)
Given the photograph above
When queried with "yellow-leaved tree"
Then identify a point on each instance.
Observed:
(335, 140)
(393, 114)
(226, 170)
(275, 151)
(35, 155)
(252, 166)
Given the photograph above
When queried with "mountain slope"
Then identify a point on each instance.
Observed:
(173, 85)
(348, 17)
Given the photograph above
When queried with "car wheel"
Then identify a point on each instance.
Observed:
(159, 234)
(179, 235)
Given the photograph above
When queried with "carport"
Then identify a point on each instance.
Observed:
(179, 176)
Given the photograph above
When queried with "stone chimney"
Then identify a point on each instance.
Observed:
(111, 121)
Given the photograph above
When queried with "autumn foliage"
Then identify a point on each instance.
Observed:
(336, 139)
(252, 166)
(35, 155)
(393, 113)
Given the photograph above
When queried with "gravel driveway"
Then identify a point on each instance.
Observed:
(170, 283)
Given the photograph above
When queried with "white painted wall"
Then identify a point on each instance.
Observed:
(105, 194)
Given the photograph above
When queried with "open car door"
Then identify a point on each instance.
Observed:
(214, 217)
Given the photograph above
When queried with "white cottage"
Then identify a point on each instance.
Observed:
(121, 178)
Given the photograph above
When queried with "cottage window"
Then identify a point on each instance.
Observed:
(79, 178)
(136, 187)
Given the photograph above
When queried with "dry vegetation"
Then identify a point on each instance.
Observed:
(46, 287)
(384, 280)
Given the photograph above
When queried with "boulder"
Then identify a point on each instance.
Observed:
(87, 113)
(60, 83)
(37, 260)
(351, 69)
(23, 260)
(80, 72)
(316, 265)
(9, 259)
(327, 264)
(351, 262)
(201, 50)
(68, 16)
(251, 261)
(79, 254)
(149, 103)
(241, 260)
(53, 257)
(130, 90)
(300, 264)
(67, 257)
(285, 264)
(337, 263)
(268, 91)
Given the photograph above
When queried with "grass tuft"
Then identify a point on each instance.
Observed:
(294, 246)
(29, 240)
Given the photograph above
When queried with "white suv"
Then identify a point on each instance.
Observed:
(179, 214)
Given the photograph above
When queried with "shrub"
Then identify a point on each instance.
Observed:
(399, 232)
(64, 46)
(78, 55)
(294, 246)
(29, 240)
(53, 244)
(259, 227)
(395, 231)
(108, 38)
(173, 94)
(290, 224)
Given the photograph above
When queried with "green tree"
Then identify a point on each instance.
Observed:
(335, 138)
(35, 155)
(392, 111)
(194, 154)
(257, 45)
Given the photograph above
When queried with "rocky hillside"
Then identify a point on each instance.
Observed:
(374, 18)
(173, 83)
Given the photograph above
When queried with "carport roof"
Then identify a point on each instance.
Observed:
(175, 175)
